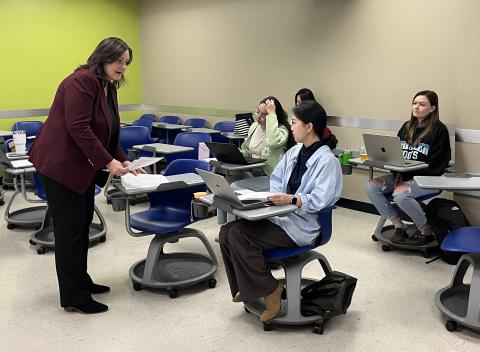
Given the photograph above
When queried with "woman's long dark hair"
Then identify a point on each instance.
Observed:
(282, 119)
(305, 94)
(312, 112)
(106, 52)
(431, 120)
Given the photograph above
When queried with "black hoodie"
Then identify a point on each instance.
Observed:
(434, 149)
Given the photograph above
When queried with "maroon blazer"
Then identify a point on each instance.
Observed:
(72, 145)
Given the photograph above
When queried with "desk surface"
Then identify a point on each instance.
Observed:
(5, 133)
(20, 170)
(169, 126)
(235, 167)
(259, 213)
(162, 148)
(203, 130)
(449, 182)
(232, 135)
(174, 182)
(416, 167)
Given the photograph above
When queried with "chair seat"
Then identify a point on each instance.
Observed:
(281, 253)
(160, 220)
(463, 239)
(389, 196)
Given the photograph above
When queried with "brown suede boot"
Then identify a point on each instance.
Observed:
(272, 304)
(237, 298)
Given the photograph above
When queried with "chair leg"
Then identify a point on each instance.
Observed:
(293, 281)
(155, 249)
(107, 185)
(380, 224)
(103, 223)
(473, 310)
(186, 232)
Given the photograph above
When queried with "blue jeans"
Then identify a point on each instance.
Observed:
(405, 200)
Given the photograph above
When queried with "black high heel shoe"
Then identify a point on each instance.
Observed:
(90, 307)
(96, 288)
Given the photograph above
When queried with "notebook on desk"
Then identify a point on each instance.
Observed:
(15, 163)
(220, 188)
(386, 150)
(229, 153)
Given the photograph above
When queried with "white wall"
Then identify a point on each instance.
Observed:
(362, 58)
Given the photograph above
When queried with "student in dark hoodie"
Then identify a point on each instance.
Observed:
(423, 138)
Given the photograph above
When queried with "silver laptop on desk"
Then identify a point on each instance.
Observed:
(386, 150)
(220, 188)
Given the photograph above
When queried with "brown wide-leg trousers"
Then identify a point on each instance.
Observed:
(242, 244)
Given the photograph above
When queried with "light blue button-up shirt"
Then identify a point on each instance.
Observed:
(321, 187)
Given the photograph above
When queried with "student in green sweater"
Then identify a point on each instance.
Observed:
(269, 137)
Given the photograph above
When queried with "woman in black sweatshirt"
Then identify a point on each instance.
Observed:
(423, 138)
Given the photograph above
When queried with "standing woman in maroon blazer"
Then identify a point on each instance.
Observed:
(78, 140)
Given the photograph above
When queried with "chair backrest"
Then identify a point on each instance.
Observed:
(149, 117)
(133, 135)
(222, 126)
(143, 122)
(183, 166)
(179, 198)
(196, 122)
(324, 217)
(188, 139)
(175, 120)
(31, 128)
(39, 187)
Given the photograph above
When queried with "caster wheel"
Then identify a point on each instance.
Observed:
(172, 293)
(318, 329)
(386, 248)
(451, 325)
(31, 242)
(136, 286)
(102, 239)
(427, 254)
(2, 202)
(267, 326)
(374, 238)
(41, 250)
(10, 226)
(212, 283)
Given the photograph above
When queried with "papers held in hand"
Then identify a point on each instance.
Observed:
(130, 181)
(142, 162)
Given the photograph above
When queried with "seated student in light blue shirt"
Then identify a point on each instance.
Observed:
(308, 176)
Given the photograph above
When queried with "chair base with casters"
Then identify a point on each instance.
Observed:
(460, 302)
(290, 313)
(383, 234)
(31, 217)
(293, 260)
(44, 238)
(166, 221)
(172, 271)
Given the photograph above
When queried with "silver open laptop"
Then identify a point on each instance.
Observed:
(220, 188)
(386, 150)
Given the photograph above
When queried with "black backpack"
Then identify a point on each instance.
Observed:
(445, 215)
(328, 297)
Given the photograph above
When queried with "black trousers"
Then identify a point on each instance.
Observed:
(72, 214)
(242, 244)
